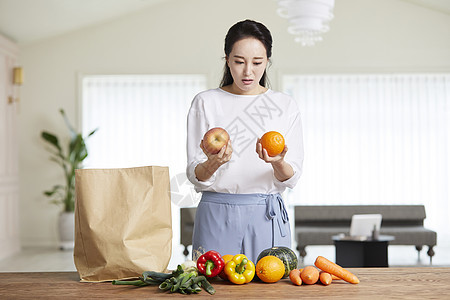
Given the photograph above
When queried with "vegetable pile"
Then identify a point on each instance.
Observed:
(191, 277)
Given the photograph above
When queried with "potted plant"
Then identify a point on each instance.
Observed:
(69, 159)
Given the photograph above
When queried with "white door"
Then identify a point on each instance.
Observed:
(9, 175)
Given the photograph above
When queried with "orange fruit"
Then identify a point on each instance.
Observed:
(270, 269)
(226, 258)
(273, 142)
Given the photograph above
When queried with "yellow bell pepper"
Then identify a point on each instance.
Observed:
(240, 269)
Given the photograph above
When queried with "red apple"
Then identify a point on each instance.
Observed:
(214, 139)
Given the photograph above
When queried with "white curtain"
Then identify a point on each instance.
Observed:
(376, 139)
(141, 121)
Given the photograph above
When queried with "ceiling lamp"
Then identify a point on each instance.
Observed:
(308, 19)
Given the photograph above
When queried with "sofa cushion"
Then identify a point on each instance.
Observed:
(404, 235)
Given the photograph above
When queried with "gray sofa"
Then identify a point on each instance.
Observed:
(315, 225)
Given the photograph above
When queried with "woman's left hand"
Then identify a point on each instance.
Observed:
(281, 169)
(262, 153)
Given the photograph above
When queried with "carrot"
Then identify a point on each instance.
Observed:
(294, 276)
(334, 277)
(334, 269)
(309, 275)
(325, 277)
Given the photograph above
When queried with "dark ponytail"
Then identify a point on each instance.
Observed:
(239, 31)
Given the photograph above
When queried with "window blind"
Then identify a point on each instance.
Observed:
(141, 119)
(376, 139)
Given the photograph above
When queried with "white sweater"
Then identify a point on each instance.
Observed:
(245, 117)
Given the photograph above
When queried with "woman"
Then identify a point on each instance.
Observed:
(241, 210)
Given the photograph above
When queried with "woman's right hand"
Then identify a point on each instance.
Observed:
(205, 170)
(220, 158)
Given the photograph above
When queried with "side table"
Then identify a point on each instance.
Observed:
(354, 252)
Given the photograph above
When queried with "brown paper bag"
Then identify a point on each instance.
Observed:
(123, 223)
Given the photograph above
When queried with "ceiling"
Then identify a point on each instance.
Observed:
(28, 21)
(438, 5)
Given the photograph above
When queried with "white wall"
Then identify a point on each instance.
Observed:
(9, 162)
(187, 37)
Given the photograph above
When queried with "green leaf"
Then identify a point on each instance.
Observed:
(66, 120)
(92, 132)
(49, 193)
(55, 189)
(78, 151)
(51, 138)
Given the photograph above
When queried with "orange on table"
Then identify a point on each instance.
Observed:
(226, 258)
(270, 269)
(273, 142)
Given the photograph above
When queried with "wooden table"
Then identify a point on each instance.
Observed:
(376, 283)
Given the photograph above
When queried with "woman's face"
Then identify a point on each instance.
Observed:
(247, 62)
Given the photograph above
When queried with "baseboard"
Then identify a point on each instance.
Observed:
(30, 243)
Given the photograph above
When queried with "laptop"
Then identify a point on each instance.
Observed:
(363, 225)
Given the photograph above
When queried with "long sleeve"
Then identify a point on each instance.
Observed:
(295, 154)
(196, 127)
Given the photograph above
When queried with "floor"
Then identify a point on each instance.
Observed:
(50, 259)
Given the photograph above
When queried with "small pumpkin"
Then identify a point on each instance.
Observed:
(287, 256)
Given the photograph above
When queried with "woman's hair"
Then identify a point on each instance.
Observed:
(239, 31)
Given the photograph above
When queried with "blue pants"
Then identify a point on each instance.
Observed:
(240, 224)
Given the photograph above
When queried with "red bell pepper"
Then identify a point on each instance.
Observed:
(210, 264)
